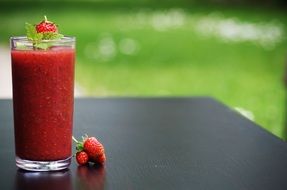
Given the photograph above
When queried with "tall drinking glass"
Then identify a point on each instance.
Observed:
(43, 101)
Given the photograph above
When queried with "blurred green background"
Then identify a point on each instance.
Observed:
(232, 50)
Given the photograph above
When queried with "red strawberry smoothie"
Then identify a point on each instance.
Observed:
(43, 98)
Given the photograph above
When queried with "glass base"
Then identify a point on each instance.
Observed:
(43, 165)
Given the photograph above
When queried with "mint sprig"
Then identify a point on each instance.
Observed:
(37, 38)
(52, 36)
(32, 33)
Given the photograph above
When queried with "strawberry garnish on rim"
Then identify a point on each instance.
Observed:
(42, 34)
(46, 26)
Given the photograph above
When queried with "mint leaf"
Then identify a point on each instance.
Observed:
(32, 33)
(52, 36)
(44, 45)
(21, 46)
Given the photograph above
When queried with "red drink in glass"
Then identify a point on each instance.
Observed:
(43, 101)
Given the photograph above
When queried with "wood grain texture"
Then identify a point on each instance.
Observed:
(159, 143)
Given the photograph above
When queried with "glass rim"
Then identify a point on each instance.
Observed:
(65, 39)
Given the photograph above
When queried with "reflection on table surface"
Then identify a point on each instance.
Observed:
(86, 178)
(91, 178)
(43, 180)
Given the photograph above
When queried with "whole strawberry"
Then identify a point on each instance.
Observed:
(46, 26)
(93, 148)
(101, 159)
(82, 157)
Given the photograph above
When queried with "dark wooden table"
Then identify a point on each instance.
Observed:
(159, 143)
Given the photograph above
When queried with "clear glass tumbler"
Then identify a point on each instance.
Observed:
(43, 102)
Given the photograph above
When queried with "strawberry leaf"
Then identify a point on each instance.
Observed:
(79, 147)
(79, 144)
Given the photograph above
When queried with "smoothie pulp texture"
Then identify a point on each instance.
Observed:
(43, 100)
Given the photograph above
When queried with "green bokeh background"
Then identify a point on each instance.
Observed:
(154, 48)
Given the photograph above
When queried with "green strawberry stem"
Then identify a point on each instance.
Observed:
(79, 144)
(75, 140)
